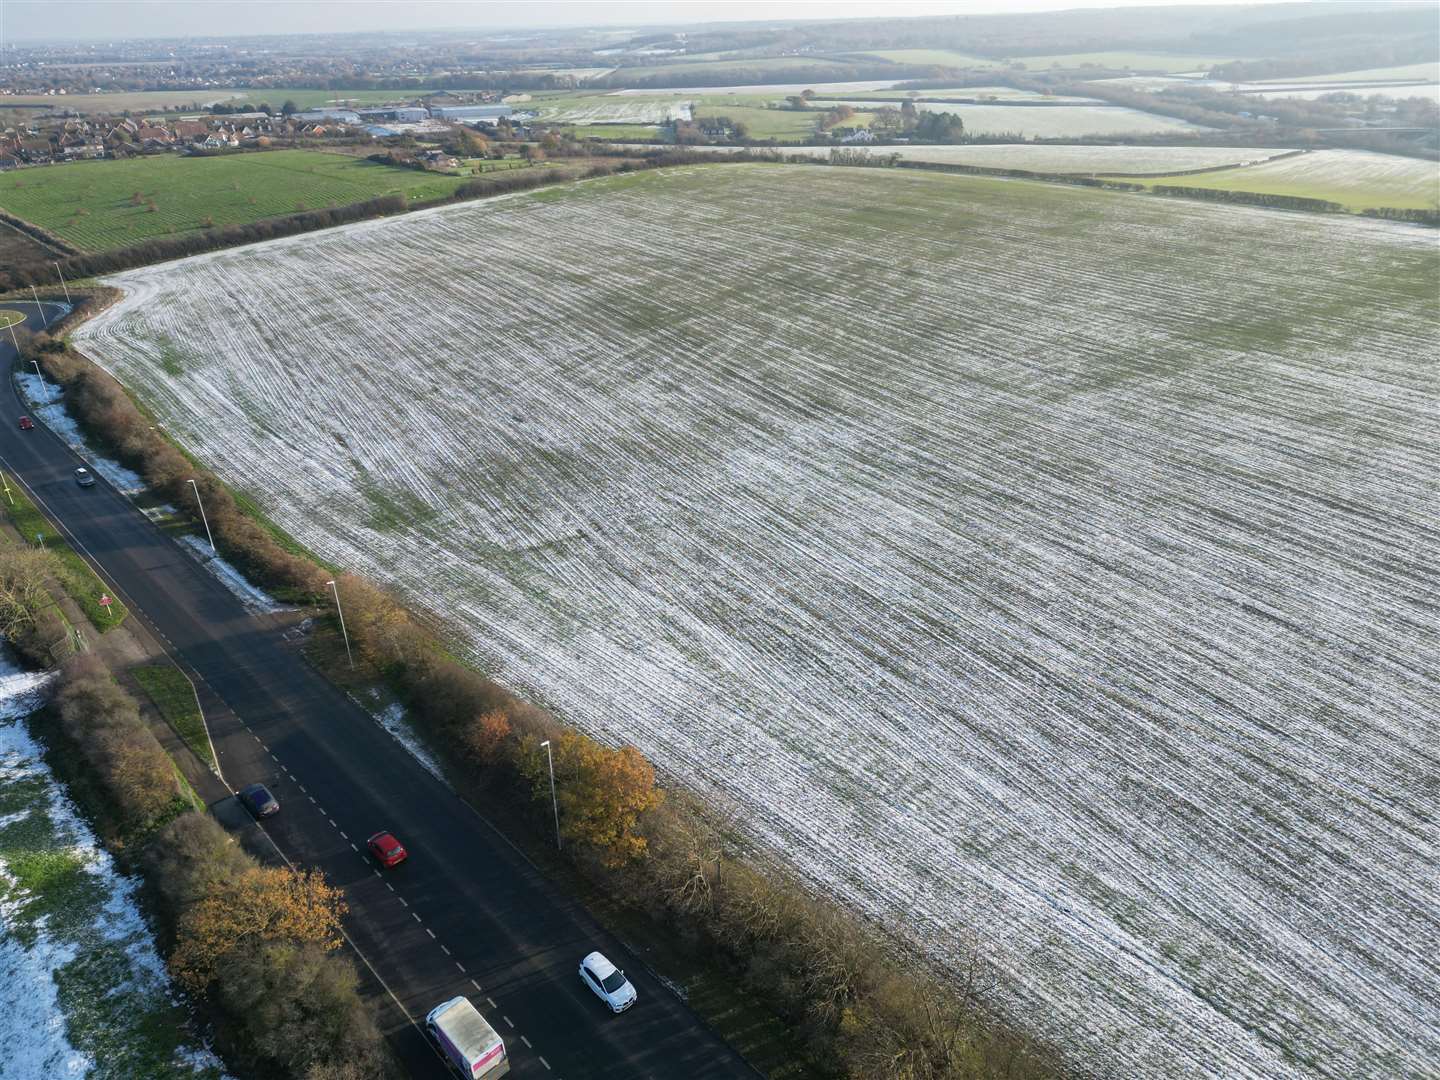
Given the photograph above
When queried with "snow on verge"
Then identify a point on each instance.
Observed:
(81, 984)
(257, 600)
(393, 719)
(51, 409)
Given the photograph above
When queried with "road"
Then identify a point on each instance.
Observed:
(468, 913)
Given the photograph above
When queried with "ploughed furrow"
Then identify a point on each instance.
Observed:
(1049, 563)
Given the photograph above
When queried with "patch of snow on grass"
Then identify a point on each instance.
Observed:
(48, 403)
(256, 599)
(393, 719)
(83, 992)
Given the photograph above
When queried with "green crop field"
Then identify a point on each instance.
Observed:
(138, 101)
(94, 205)
(1356, 179)
(943, 57)
(1130, 61)
(310, 99)
(783, 125)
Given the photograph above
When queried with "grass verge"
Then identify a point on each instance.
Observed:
(75, 575)
(175, 698)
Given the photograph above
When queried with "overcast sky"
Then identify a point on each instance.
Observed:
(74, 20)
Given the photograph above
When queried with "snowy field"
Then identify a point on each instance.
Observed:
(1355, 178)
(83, 992)
(1081, 160)
(613, 110)
(1052, 562)
(1048, 121)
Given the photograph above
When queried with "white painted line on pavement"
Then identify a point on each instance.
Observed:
(461, 966)
(353, 847)
(526, 1042)
(491, 1001)
(478, 990)
(428, 931)
(387, 884)
(417, 917)
(403, 902)
(545, 1063)
(507, 1020)
(342, 833)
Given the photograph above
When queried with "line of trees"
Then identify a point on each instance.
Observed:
(258, 944)
(1251, 198)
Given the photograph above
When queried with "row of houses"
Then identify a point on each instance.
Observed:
(84, 139)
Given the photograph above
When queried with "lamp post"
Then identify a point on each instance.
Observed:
(62, 283)
(554, 802)
(201, 503)
(41, 377)
(343, 632)
(36, 295)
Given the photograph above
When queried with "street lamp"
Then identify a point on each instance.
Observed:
(343, 632)
(201, 503)
(41, 377)
(62, 283)
(553, 800)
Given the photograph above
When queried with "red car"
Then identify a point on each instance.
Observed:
(26, 424)
(387, 850)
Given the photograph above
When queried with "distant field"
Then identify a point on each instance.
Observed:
(781, 124)
(1063, 121)
(1135, 61)
(611, 109)
(1079, 160)
(790, 65)
(1002, 92)
(140, 101)
(1051, 563)
(310, 99)
(1424, 90)
(1429, 71)
(92, 204)
(941, 57)
(1357, 179)
(615, 131)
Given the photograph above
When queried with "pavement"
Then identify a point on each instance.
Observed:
(467, 914)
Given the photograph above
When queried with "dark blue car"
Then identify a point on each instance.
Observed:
(258, 799)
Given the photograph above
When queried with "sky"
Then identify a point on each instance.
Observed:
(76, 20)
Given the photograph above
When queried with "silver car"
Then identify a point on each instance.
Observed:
(608, 982)
(84, 477)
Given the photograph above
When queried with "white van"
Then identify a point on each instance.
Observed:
(467, 1040)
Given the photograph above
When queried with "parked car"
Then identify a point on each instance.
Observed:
(387, 850)
(26, 424)
(608, 982)
(84, 477)
(259, 801)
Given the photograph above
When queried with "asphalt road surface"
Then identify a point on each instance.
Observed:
(467, 914)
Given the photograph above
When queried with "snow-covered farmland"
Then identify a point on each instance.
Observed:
(1052, 158)
(1052, 562)
(613, 110)
(1049, 121)
(1354, 178)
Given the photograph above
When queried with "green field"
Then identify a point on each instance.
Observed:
(799, 66)
(1428, 71)
(616, 131)
(93, 204)
(783, 125)
(71, 571)
(1128, 61)
(1356, 179)
(195, 100)
(175, 698)
(942, 57)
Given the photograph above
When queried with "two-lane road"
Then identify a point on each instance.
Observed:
(467, 914)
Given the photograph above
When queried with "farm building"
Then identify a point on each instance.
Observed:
(339, 116)
(473, 113)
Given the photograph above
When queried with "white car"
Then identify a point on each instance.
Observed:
(608, 982)
(84, 477)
